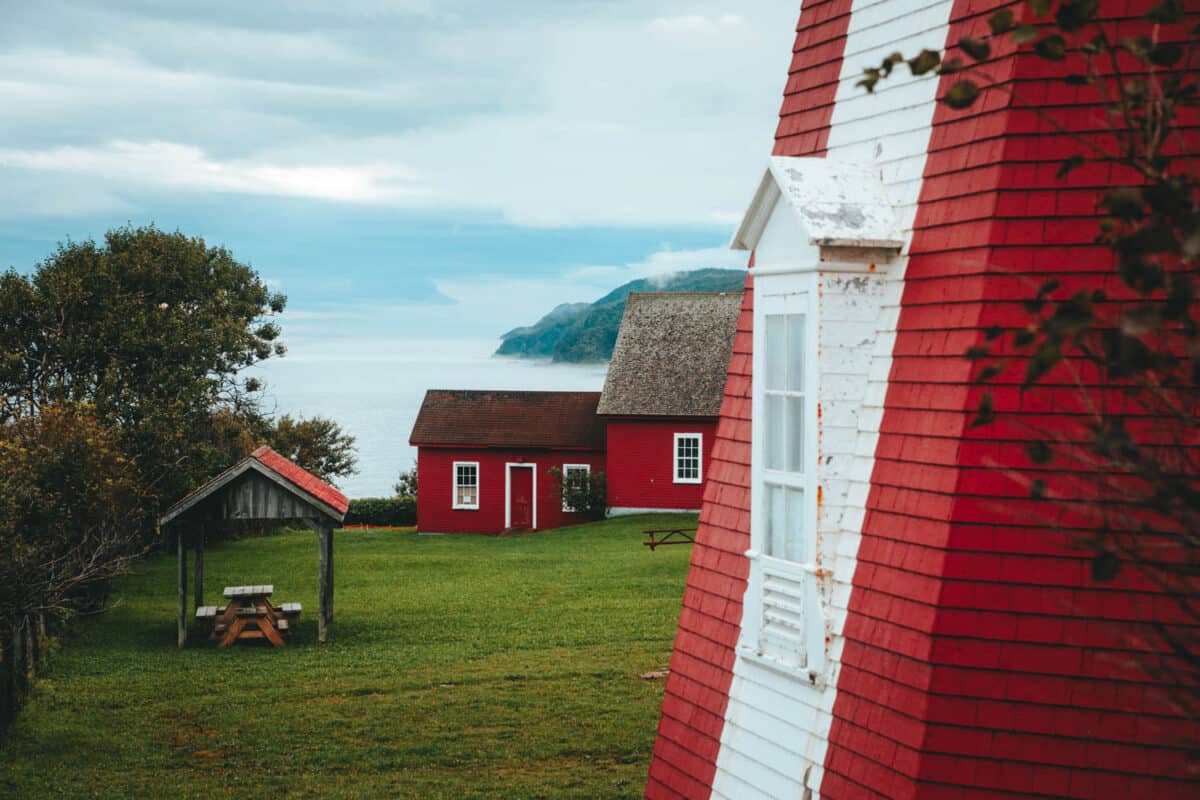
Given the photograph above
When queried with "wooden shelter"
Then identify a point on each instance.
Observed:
(264, 486)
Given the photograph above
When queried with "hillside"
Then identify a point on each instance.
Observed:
(581, 332)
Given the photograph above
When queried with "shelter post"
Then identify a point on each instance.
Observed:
(182, 544)
(325, 539)
(198, 572)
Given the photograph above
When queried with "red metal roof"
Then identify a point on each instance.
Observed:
(509, 419)
(302, 478)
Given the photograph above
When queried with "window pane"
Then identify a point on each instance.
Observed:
(795, 434)
(795, 517)
(776, 351)
(774, 432)
(785, 517)
(795, 352)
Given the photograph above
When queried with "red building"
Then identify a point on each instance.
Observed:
(483, 458)
(662, 397)
(875, 608)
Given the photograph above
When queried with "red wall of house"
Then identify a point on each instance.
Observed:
(641, 463)
(435, 474)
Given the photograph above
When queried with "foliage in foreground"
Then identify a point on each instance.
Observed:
(1118, 357)
(459, 666)
(397, 512)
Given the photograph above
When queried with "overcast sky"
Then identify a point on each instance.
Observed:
(447, 167)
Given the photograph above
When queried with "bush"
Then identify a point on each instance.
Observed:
(585, 493)
(396, 512)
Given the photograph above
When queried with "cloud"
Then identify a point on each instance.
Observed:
(648, 113)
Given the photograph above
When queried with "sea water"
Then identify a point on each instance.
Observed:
(375, 396)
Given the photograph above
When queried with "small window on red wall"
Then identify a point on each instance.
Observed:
(687, 457)
(466, 484)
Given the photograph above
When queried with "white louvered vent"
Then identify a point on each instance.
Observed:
(783, 630)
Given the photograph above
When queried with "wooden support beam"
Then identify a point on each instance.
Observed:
(325, 538)
(198, 589)
(331, 572)
(183, 620)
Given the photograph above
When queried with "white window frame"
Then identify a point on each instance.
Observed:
(794, 293)
(454, 486)
(587, 468)
(699, 437)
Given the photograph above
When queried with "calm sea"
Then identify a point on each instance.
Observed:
(376, 398)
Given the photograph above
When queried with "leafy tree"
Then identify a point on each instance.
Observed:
(1127, 473)
(71, 518)
(406, 484)
(317, 443)
(152, 329)
(585, 493)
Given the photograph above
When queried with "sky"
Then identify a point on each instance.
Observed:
(403, 170)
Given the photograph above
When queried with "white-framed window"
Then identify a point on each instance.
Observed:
(787, 621)
(572, 473)
(466, 485)
(689, 450)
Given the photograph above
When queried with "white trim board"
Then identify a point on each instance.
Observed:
(508, 468)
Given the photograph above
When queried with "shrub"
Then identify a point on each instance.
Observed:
(391, 511)
(585, 493)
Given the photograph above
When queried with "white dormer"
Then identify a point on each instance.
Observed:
(823, 233)
(817, 214)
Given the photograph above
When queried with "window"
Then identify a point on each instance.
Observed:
(687, 457)
(789, 625)
(573, 475)
(466, 484)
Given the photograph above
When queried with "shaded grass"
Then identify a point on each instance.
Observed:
(460, 667)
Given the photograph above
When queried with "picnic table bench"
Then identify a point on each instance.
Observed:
(249, 615)
(656, 537)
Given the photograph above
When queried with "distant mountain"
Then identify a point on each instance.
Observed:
(579, 332)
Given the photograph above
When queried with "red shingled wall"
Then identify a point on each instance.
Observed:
(641, 463)
(980, 659)
(435, 473)
(693, 711)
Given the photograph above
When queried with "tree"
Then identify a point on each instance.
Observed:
(71, 518)
(1126, 471)
(317, 444)
(406, 484)
(153, 330)
(584, 493)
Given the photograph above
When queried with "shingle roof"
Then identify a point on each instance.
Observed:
(302, 478)
(671, 354)
(509, 419)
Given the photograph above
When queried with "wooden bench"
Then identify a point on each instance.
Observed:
(660, 536)
(209, 612)
(290, 609)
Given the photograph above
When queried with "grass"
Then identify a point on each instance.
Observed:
(460, 667)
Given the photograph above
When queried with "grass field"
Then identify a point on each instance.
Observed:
(460, 667)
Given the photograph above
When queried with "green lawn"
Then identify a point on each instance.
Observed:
(460, 667)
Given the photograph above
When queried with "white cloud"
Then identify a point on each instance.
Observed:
(645, 114)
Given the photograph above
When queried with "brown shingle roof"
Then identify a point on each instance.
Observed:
(509, 419)
(671, 355)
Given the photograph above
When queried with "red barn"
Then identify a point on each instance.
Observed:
(875, 609)
(483, 458)
(662, 397)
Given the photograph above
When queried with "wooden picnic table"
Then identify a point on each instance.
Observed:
(249, 614)
(660, 536)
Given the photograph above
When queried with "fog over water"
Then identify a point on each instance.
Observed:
(376, 396)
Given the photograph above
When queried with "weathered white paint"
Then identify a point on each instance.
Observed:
(623, 511)
(777, 721)
(837, 203)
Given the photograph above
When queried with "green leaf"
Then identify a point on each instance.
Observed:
(989, 372)
(1024, 33)
(986, 413)
(1068, 166)
(950, 66)
(1124, 202)
(978, 351)
(1166, 54)
(1077, 80)
(1024, 337)
(993, 332)
(1037, 489)
(1051, 48)
(1074, 14)
(1167, 13)
(1039, 452)
(924, 62)
(1040, 7)
(961, 95)
(1105, 567)
(1001, 22)
(870, 78)
(977, 49)
(1044, 359)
